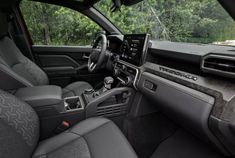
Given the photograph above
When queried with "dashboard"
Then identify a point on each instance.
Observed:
(199, 76)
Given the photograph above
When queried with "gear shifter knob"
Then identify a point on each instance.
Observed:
(108, 83)
(108, 80)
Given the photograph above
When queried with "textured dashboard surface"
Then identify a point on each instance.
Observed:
(222, 91)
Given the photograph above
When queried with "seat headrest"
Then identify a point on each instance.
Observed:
(3, 25)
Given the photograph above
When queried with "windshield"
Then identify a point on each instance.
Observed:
(194, 21)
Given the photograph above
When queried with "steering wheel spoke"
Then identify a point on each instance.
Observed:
(92, 66)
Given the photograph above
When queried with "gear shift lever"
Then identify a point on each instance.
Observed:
(107, 86)
(107, 83)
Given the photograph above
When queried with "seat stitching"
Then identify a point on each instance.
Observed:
(88, 146)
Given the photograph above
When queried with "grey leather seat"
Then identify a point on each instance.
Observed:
(17, 71)
(92, 138)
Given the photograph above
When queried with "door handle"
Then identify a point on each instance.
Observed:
(85, 56)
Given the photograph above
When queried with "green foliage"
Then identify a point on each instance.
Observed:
(54, 25)
(197, 21)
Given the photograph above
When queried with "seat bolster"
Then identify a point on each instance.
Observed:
(54, 143)
(75, 89)
(11, 80)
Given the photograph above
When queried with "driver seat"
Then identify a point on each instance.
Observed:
(18, 71)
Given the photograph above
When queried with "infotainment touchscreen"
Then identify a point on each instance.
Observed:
(133, 48)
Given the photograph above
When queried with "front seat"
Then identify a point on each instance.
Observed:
(92, 138)
(18, 71)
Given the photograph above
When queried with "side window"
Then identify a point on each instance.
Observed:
(55, 25)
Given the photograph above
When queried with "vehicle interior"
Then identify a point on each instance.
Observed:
(78, 82)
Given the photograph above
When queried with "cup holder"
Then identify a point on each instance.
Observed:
(73, 103)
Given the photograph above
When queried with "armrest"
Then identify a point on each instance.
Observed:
(40, 95)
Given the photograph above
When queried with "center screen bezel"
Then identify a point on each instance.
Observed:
(134, 44)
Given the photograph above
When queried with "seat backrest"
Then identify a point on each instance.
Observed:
(19, 127)
(14, 66)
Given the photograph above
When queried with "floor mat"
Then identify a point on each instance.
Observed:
(147, 132)
(184, 145)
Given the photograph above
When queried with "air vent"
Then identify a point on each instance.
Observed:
(112, 110)
(220, 65)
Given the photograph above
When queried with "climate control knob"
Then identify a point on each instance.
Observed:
(116, 72)
(124, 67)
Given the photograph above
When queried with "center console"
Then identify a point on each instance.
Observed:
(56, 113)
(48, 101)
(132, 55)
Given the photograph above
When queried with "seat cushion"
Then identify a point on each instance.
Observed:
(92, 138)
(75, 89)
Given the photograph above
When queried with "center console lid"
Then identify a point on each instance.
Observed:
(40, 95)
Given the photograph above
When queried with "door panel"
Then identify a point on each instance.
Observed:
(65, 54)
(57, 60)
(60, 36)
(66, 64)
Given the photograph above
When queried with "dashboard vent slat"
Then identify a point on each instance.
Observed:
(220, 65)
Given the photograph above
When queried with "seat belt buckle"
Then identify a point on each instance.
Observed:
(62, 127)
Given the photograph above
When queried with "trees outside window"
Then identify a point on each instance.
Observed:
(54, 25)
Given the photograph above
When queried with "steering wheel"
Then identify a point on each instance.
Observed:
(97, 55)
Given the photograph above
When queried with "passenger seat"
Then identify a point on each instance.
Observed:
(17, 71)
(92, 138)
